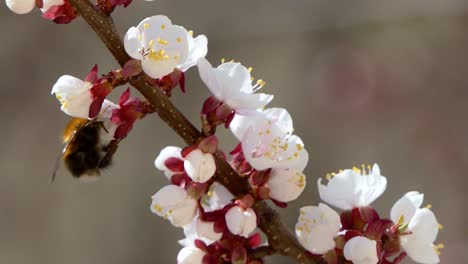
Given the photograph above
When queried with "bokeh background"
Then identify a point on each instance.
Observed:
(365, 81)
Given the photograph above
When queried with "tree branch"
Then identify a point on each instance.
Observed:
(280, 239)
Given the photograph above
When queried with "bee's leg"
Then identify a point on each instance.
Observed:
(109, 150)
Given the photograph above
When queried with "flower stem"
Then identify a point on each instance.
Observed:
(280, 239)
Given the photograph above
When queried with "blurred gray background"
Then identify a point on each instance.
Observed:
(365, 81)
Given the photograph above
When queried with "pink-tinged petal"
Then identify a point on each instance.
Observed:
(124, 97)
(132, 68)
(123, 130)
(208, 76)
(95, 108)
(209, 144)
(20, 6)
(92, 75)
(210, 104)
(61, 14)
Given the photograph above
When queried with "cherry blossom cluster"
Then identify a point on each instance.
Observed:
(269, 155)
(359, 235)
(218, 226)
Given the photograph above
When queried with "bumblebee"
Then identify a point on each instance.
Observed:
(85, 150)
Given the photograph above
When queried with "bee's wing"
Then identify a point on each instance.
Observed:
(59, 158)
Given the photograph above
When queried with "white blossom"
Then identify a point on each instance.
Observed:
(190, 255)
(268, 142)
(353, 188)
(279, 116)
(200, 167)
(361, 250)
(74, 95)
(173, 203)
(166, 153)
(286, 185)
(422, 225)
(317, 227)
(231, 83)
(206, 230)
(216, 198)
(25, 6)
(163, 47)
(241, 221)
(199, 230)
(21, 6)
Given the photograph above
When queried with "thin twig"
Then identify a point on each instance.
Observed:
(280, 239)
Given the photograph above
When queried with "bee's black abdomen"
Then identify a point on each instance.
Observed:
(83, 155)
(80, 163)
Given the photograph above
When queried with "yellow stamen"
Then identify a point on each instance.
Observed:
(250, 69)
(146, 25)
(163, 26)
(162, 41)
(190, 33)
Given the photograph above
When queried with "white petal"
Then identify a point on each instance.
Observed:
(166, 153)
(217, 197)
(206, 230)
(200, 167)
(158, 68)
(236, 77)
(208, 76)
(424, 226)
(21, 6)
(286, 185)
(349, 189)
(317, 227)
(406, 206)
(241, 222)
(132, 43)
(74, 96)
(198, 48)
(421, 252)
(190, 255)
(268, 146)
(279, 116)
(69, 86)
(173, 203)
(50, 3)
(361, 250)
(106, 110)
